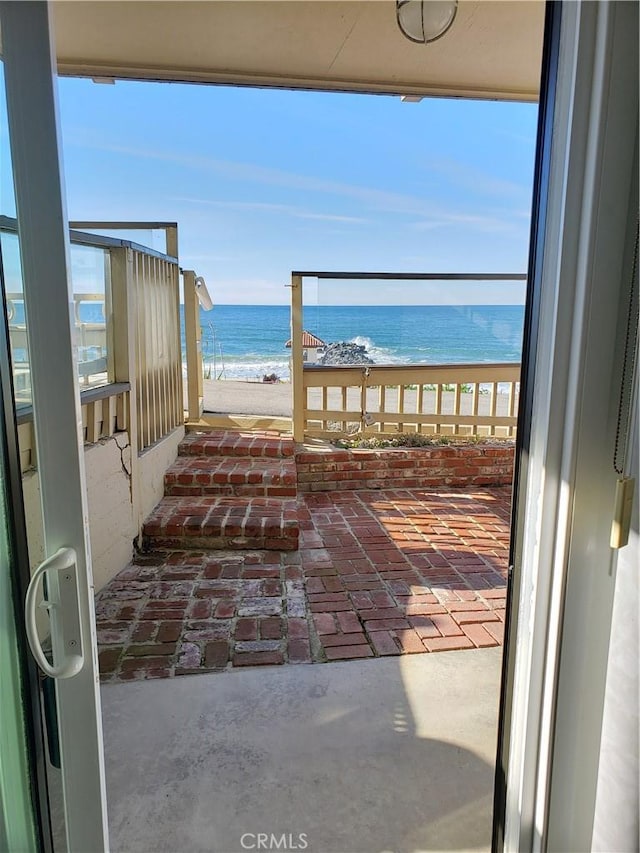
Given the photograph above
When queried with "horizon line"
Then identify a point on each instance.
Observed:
(374, 305)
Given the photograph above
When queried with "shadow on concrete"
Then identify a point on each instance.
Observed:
(390, 754)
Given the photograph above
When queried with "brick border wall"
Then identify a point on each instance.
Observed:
(408, 468)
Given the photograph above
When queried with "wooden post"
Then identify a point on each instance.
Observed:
(192, 335)
(297, 365)
(456, 406)
(171, 238)
(494, 404)
(344, 407)
(420, 406)
(125, 343)
(474, 407)
(108, 316)
(512, 407)
(200, 372)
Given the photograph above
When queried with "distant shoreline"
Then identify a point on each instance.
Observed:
(246, 342)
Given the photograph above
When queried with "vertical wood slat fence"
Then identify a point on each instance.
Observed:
(447, 399)
(158, 360)
(140, 332)
(454, 399)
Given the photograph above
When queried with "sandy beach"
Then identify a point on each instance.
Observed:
(239, 397)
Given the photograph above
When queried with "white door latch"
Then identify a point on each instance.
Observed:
(64, 615)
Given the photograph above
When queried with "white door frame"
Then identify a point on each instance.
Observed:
(34, 134)
(566, 566)
(560, 630)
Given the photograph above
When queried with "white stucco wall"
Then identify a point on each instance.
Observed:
(153, 462)
(111, 523)
(110, 510)
(112, 520)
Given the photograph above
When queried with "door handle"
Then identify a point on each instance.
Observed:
(64, 615)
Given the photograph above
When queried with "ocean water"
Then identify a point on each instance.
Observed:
(247, 341)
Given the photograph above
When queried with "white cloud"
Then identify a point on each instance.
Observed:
(477, 181)
(268, 207)
(486, 224)
(381, 200)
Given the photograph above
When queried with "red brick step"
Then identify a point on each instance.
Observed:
(227, 443)
(245, 476)
(234, 522)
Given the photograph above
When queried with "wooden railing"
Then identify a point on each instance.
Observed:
(145, 324)
(137, 346)
(105, 412)
(446, 399)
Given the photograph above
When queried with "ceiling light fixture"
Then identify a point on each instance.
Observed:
(424, 21)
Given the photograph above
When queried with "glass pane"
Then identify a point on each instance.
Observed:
(90, 276)
(419, 322)
(12, 269)
(16, 318)
(417, 357)
(7, 197)
(150, 238)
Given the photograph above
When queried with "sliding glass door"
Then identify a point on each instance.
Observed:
(46, 591)
(24, 814)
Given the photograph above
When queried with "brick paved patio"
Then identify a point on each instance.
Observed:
(378, 573)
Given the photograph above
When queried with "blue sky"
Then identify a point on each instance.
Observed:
(265, 181)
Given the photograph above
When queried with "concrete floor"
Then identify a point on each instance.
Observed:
(392, 754)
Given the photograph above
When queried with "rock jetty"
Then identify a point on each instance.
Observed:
(345, 353)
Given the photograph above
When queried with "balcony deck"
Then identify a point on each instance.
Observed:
(378, 573)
